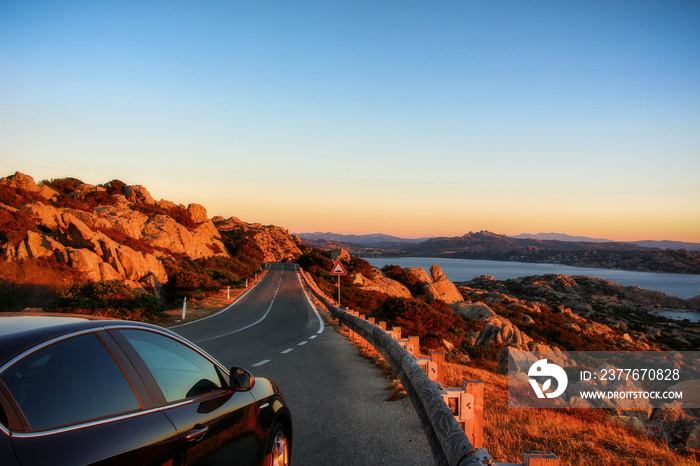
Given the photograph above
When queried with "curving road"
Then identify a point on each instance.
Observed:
(336, 396)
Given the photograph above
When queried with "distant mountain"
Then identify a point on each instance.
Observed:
(376, 240)
(488, 244)
(546, 248)
(669, 245)
(561, 237)
(609, 255)
(584, 239)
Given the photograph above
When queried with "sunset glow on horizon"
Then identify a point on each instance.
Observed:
(412, 119)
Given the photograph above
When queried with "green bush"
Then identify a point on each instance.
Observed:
(16, 197)
(64, 186)
(14, 226)
(431, 322)
(408, 280)
(363, 301)
(109, 299)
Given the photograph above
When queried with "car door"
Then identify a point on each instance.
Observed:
(70, 402)
(216, 425)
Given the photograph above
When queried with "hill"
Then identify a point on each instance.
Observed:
(63, 231)
(546, 248)
(610, 255)
(370, 241)
(666, 244)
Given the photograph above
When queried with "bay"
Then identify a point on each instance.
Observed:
(461, 270)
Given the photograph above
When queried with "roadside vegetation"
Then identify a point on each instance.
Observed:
(108, 299)
(581, 437)
(432, 322)
(578, 436)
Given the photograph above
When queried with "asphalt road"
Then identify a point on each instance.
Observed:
(337, 398)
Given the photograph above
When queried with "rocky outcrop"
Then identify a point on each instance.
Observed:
(125, 238)
(339, 254)
(693, 303)
(276, 244)
(477, 311)
(89, 252)
(138, 194)
(436, 285)
(164, 232)
(379, 282)
(26, 183)
(595, 311)
(500, 331)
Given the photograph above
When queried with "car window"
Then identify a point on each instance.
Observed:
(179, 371)
(70, 381)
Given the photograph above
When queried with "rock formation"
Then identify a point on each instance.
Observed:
(125, 236)
(436, 285)
(276, 243)
(379, 282)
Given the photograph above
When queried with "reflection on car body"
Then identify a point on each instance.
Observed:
(77, 390)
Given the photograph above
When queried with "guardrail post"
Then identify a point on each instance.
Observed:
(397, 332)
(467, 406)
(382, 325)
(352, 335)
(363, 343)
(472, 402)
(429, 367)
(540, 458)
(414, 341)
(438, 357)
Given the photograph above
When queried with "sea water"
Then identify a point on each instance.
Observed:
(461, 270)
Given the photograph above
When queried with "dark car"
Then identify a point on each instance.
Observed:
(76, 390)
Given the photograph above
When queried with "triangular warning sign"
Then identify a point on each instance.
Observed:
(338, 268)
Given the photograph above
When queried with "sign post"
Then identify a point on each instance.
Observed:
(338, 269)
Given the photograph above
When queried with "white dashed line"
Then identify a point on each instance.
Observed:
(302, 343)
(287, 350)
(242, 328)
(312, 337)
(264, 361)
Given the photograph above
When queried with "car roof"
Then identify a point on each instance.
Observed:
(20, 331)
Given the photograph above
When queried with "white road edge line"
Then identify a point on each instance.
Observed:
(222, 310)
(242, 328)
(320, 320)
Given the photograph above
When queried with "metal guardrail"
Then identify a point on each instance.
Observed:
(448, 442)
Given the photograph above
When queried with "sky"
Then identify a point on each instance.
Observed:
(409, 118)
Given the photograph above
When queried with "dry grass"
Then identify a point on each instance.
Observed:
(582, 437)
(578, 436)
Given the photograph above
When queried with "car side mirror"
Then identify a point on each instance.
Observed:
(241, 379)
